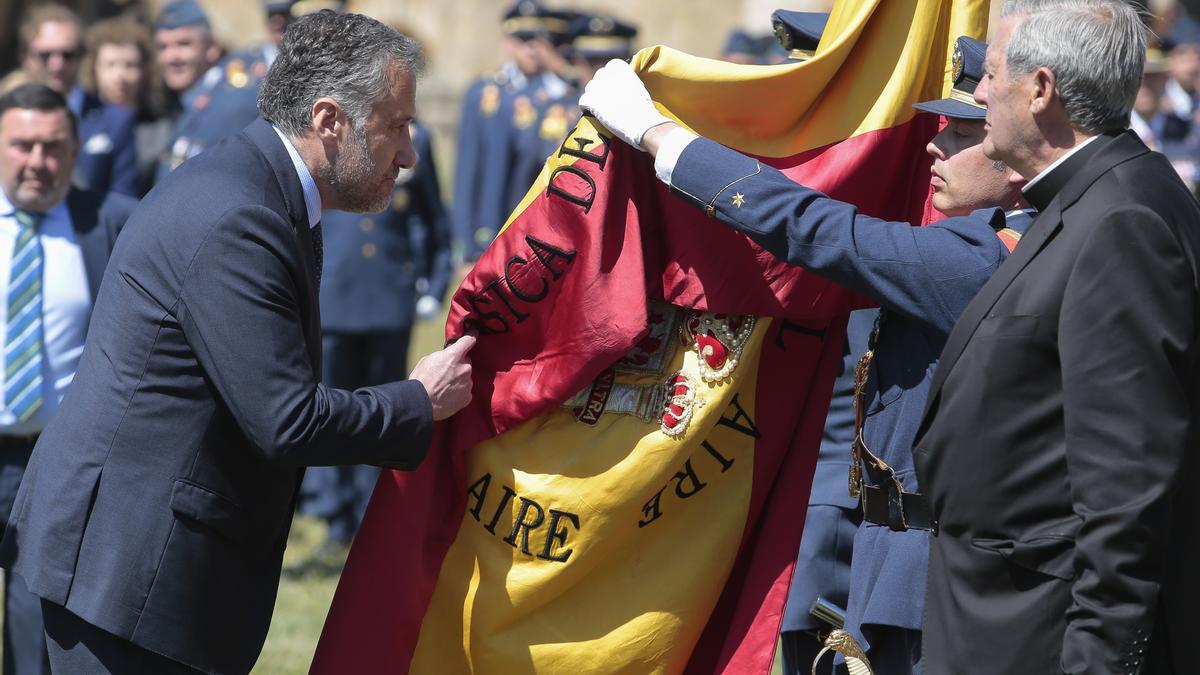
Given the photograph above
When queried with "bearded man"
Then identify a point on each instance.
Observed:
(154, 513)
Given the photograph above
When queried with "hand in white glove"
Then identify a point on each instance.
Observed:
(617, 97)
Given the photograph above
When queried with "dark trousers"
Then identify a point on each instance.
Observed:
(339, 494)
(77, 646)
(24, 636)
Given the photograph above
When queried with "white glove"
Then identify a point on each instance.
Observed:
(617, 97)
(428, 307)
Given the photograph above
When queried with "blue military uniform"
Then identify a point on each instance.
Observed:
(376, 266)
(496, 111)
(596, 39)
(107, 161)
(220, 104)
(923, 278)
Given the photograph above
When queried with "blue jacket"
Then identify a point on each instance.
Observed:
(496, 112)
(218, 106)
(922, 277)
(107, 161)
(376, 265)
(555, 119)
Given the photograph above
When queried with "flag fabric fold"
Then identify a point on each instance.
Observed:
(626, 491)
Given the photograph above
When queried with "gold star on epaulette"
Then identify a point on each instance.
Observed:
(738, 199)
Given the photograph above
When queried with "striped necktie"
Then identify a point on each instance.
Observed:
(23, 328)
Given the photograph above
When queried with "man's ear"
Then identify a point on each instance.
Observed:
(212, 53)
(1044, 91)
(328, 120)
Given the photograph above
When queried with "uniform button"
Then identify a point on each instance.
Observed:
(366, 224)
(368, 250)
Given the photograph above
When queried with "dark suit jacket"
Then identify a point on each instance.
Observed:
(157, 503)
(1058, 444)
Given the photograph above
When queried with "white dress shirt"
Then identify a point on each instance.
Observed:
(1046, 171)
(66, 309)
(312, 196)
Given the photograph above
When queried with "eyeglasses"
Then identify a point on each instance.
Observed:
(65, 54)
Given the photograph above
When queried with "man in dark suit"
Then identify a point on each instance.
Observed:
(70, 236)
(51, 50)
(1058, 445)
(154, 513)
(921, 277)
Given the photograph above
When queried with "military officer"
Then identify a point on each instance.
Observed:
(594, 41)
(218, 95)
(496, 109)
(381, 271)
(922, 277)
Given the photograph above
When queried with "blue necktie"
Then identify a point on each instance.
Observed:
(23, 327)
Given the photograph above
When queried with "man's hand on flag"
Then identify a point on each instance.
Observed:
(617, 97)
(446, 375)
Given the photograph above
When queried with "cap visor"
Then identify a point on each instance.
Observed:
(951, 108)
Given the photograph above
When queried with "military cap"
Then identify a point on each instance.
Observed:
(598, 37)
(967, 67)
(799, 32)
(528, 19)
(181, 13)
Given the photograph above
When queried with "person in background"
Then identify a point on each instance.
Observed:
(750, 49)
(52, 49)
(495, 109)
(279, 16)
(216, 94)
(54, 244)
(594, 41)
(120, 68)
(1148, 119)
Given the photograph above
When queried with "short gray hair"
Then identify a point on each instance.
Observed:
(1095, 48)
(346, 57)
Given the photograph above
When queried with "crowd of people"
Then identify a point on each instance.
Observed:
(1012, 473)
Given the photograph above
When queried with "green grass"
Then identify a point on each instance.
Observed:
(300, 608)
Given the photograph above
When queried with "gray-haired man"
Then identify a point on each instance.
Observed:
(154, 513)
(1058, 446)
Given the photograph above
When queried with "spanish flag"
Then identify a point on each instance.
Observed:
(626, 492)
